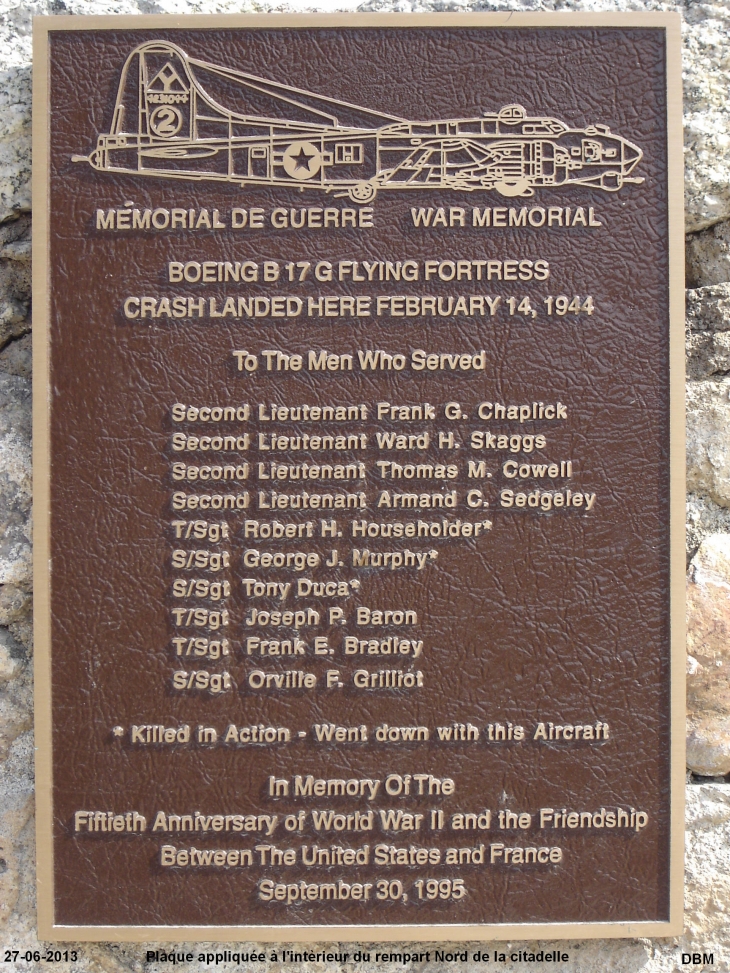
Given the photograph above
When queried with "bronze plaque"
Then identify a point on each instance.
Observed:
(359, 477)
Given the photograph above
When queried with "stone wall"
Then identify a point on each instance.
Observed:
(706, 77)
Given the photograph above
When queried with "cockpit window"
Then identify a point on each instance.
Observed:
(542, 128)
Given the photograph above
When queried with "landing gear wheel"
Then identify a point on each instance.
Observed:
(519, 187)
(364, 192)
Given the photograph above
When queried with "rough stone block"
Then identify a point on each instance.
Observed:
(706, 75)
(704, 517)
(708, 256)
(708, 658)
(708, 443)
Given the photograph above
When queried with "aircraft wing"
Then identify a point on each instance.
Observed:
(249, 95)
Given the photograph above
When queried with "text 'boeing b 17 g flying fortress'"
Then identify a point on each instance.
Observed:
(182, 118)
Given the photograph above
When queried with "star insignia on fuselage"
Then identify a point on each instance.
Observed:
(302, 160)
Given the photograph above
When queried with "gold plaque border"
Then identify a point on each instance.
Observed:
(48, 929)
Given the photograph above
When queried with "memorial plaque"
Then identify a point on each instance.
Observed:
(359, 473)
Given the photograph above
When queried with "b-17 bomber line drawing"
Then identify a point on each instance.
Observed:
(182, 118)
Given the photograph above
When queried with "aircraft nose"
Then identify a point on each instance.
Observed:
(632, 154)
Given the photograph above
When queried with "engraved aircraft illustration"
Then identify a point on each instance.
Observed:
(181, 118)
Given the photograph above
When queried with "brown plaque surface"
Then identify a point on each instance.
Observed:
(359, 477)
